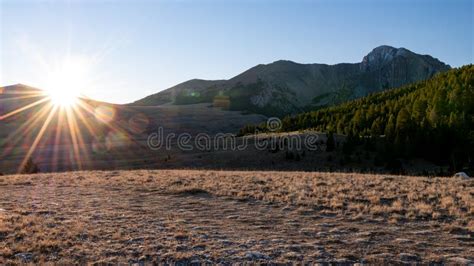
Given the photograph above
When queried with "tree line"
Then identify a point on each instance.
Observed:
(432, 119)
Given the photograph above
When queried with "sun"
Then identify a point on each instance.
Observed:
(65, 83)
(63, 98)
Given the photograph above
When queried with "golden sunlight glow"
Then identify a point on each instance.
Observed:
(64, 117)
(65, 83)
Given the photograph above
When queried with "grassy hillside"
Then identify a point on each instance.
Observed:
(102, 135)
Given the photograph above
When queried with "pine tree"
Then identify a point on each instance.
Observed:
(376, 129)
(403, 120)
(390, 128)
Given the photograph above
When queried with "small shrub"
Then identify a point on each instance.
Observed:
(30, 167)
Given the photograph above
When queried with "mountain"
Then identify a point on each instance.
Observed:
(18, 96)
(285, 87)
(18, 93)
(15, 90)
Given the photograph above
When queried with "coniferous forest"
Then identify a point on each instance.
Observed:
(432, 119)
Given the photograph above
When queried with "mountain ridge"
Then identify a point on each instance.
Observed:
(285, 87)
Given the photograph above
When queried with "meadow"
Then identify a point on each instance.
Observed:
(186, 216)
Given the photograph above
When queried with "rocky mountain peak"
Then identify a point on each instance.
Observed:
(381, 55)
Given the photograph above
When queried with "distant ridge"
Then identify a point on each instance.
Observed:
(285, 87)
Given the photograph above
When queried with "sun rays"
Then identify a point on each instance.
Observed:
(60, 124)
(57, 132)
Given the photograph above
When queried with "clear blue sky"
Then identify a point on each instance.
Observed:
(141, 47)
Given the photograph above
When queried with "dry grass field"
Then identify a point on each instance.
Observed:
(147, 216)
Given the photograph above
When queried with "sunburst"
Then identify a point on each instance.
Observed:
(61, 108)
